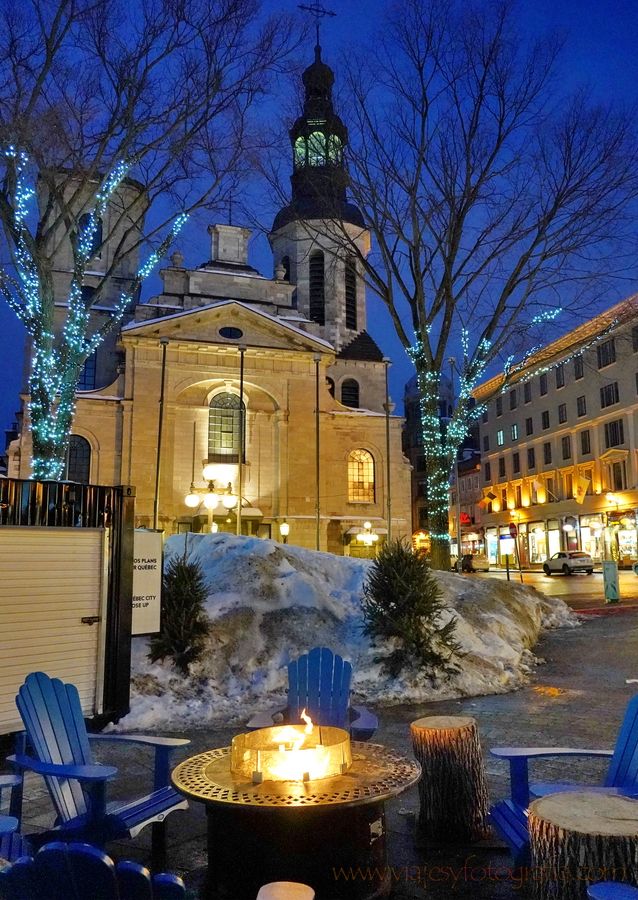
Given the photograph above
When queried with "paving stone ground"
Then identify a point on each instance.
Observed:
(576, 698)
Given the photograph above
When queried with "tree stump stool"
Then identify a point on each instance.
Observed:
(452, 790)
(582, 837)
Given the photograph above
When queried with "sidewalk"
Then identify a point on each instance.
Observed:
(576, 699)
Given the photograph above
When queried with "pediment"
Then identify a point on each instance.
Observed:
(203, 325)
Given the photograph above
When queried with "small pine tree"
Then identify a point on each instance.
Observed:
(184, 623)
(401, 599)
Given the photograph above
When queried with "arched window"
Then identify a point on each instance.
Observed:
(86, 378)
(96, 241)
(350, 393)
(316, 290)
(78, 460)
(317, 149)
(285, 262)
(351, 293)
(224, 418)
(300, 152)
(335, 151)
(360, 477)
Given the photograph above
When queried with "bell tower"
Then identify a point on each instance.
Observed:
(310, 236)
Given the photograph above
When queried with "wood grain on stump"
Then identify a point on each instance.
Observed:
(453, 789)
(578, 838)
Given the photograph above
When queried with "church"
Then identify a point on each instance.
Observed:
(237, 402)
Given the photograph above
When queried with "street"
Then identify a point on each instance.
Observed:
(571, 588)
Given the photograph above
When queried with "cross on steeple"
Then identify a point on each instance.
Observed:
(318, 11)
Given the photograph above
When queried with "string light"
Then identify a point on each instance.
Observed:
(56, 365)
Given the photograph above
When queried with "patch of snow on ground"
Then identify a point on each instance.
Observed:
(270, 602)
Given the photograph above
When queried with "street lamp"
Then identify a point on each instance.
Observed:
(367, 535)
(284, 531)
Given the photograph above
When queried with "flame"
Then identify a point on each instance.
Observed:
(308, 721)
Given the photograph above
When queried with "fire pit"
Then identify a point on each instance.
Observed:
(292, 804)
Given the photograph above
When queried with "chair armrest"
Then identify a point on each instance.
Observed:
(61, 770)
(363, 723)
(540, 752)
(10, 781)
(149, 739)
(518, 759)
(266, 719)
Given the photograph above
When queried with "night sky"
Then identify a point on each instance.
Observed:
(601, 51)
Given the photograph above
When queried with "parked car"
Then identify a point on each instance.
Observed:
(473, 562)
(568, 561)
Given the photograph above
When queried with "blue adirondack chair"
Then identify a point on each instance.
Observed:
(612, 890)
(61, 871)
(56, 731)
(319, 682)
(621, 778)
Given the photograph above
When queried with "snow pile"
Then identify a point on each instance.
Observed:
(270, 602)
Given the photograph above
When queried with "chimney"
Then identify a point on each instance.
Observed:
(229, 244)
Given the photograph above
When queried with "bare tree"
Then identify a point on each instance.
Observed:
(495, 200)
(139, 108)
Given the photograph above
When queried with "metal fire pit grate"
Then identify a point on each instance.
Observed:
(376, 774)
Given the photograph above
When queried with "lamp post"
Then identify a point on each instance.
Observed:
(388, 488)
(160, 422)
(242, 351)
(452, 362)
(317, 360)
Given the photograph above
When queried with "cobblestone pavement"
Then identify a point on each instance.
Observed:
(576, 698)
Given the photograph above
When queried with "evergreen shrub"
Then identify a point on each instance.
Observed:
(402, 600)
(184, 622)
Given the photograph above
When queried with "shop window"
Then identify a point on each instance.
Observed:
(527, 392)
(499, 406)
(562, 413)
(543, 384)
(547, 453)
(316, 288)
(531, 458)
(360, 477)
(606, 353)
(585, 443)
(566, 446)
(78, 460)
(581, 406)
(614, 433)
(350, 393)
(513, 399)
(225, 416)
(578, 368)
(559, 372)
(609, 395)
(529, 426)
(545, 418)
(350, 284)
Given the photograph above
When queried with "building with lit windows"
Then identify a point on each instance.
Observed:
(559, 445)
(243, 359)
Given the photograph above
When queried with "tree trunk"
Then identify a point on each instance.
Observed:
(453, 788)
(51, 408)
(579, 838)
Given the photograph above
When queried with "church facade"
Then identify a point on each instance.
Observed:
(264, 389)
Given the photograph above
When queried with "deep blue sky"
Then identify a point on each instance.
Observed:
(601, 49)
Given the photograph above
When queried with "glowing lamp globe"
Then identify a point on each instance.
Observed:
(210, 500)
(208, 472)
(192, 500)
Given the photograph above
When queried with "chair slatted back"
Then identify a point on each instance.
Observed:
(53, 720)
(320, 682)
(623, 768)
(61, 871)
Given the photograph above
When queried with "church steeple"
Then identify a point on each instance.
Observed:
(318, 137)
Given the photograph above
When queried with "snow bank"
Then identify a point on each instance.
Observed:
(270, 602)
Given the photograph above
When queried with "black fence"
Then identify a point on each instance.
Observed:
(52, 504)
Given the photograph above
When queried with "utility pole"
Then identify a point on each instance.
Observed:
(317, 360)
(388, 487)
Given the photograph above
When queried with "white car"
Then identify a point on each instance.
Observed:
(569, 561)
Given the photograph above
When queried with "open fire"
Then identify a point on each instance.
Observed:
(291, 752)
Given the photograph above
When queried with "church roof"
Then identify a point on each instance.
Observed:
(362, 348)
